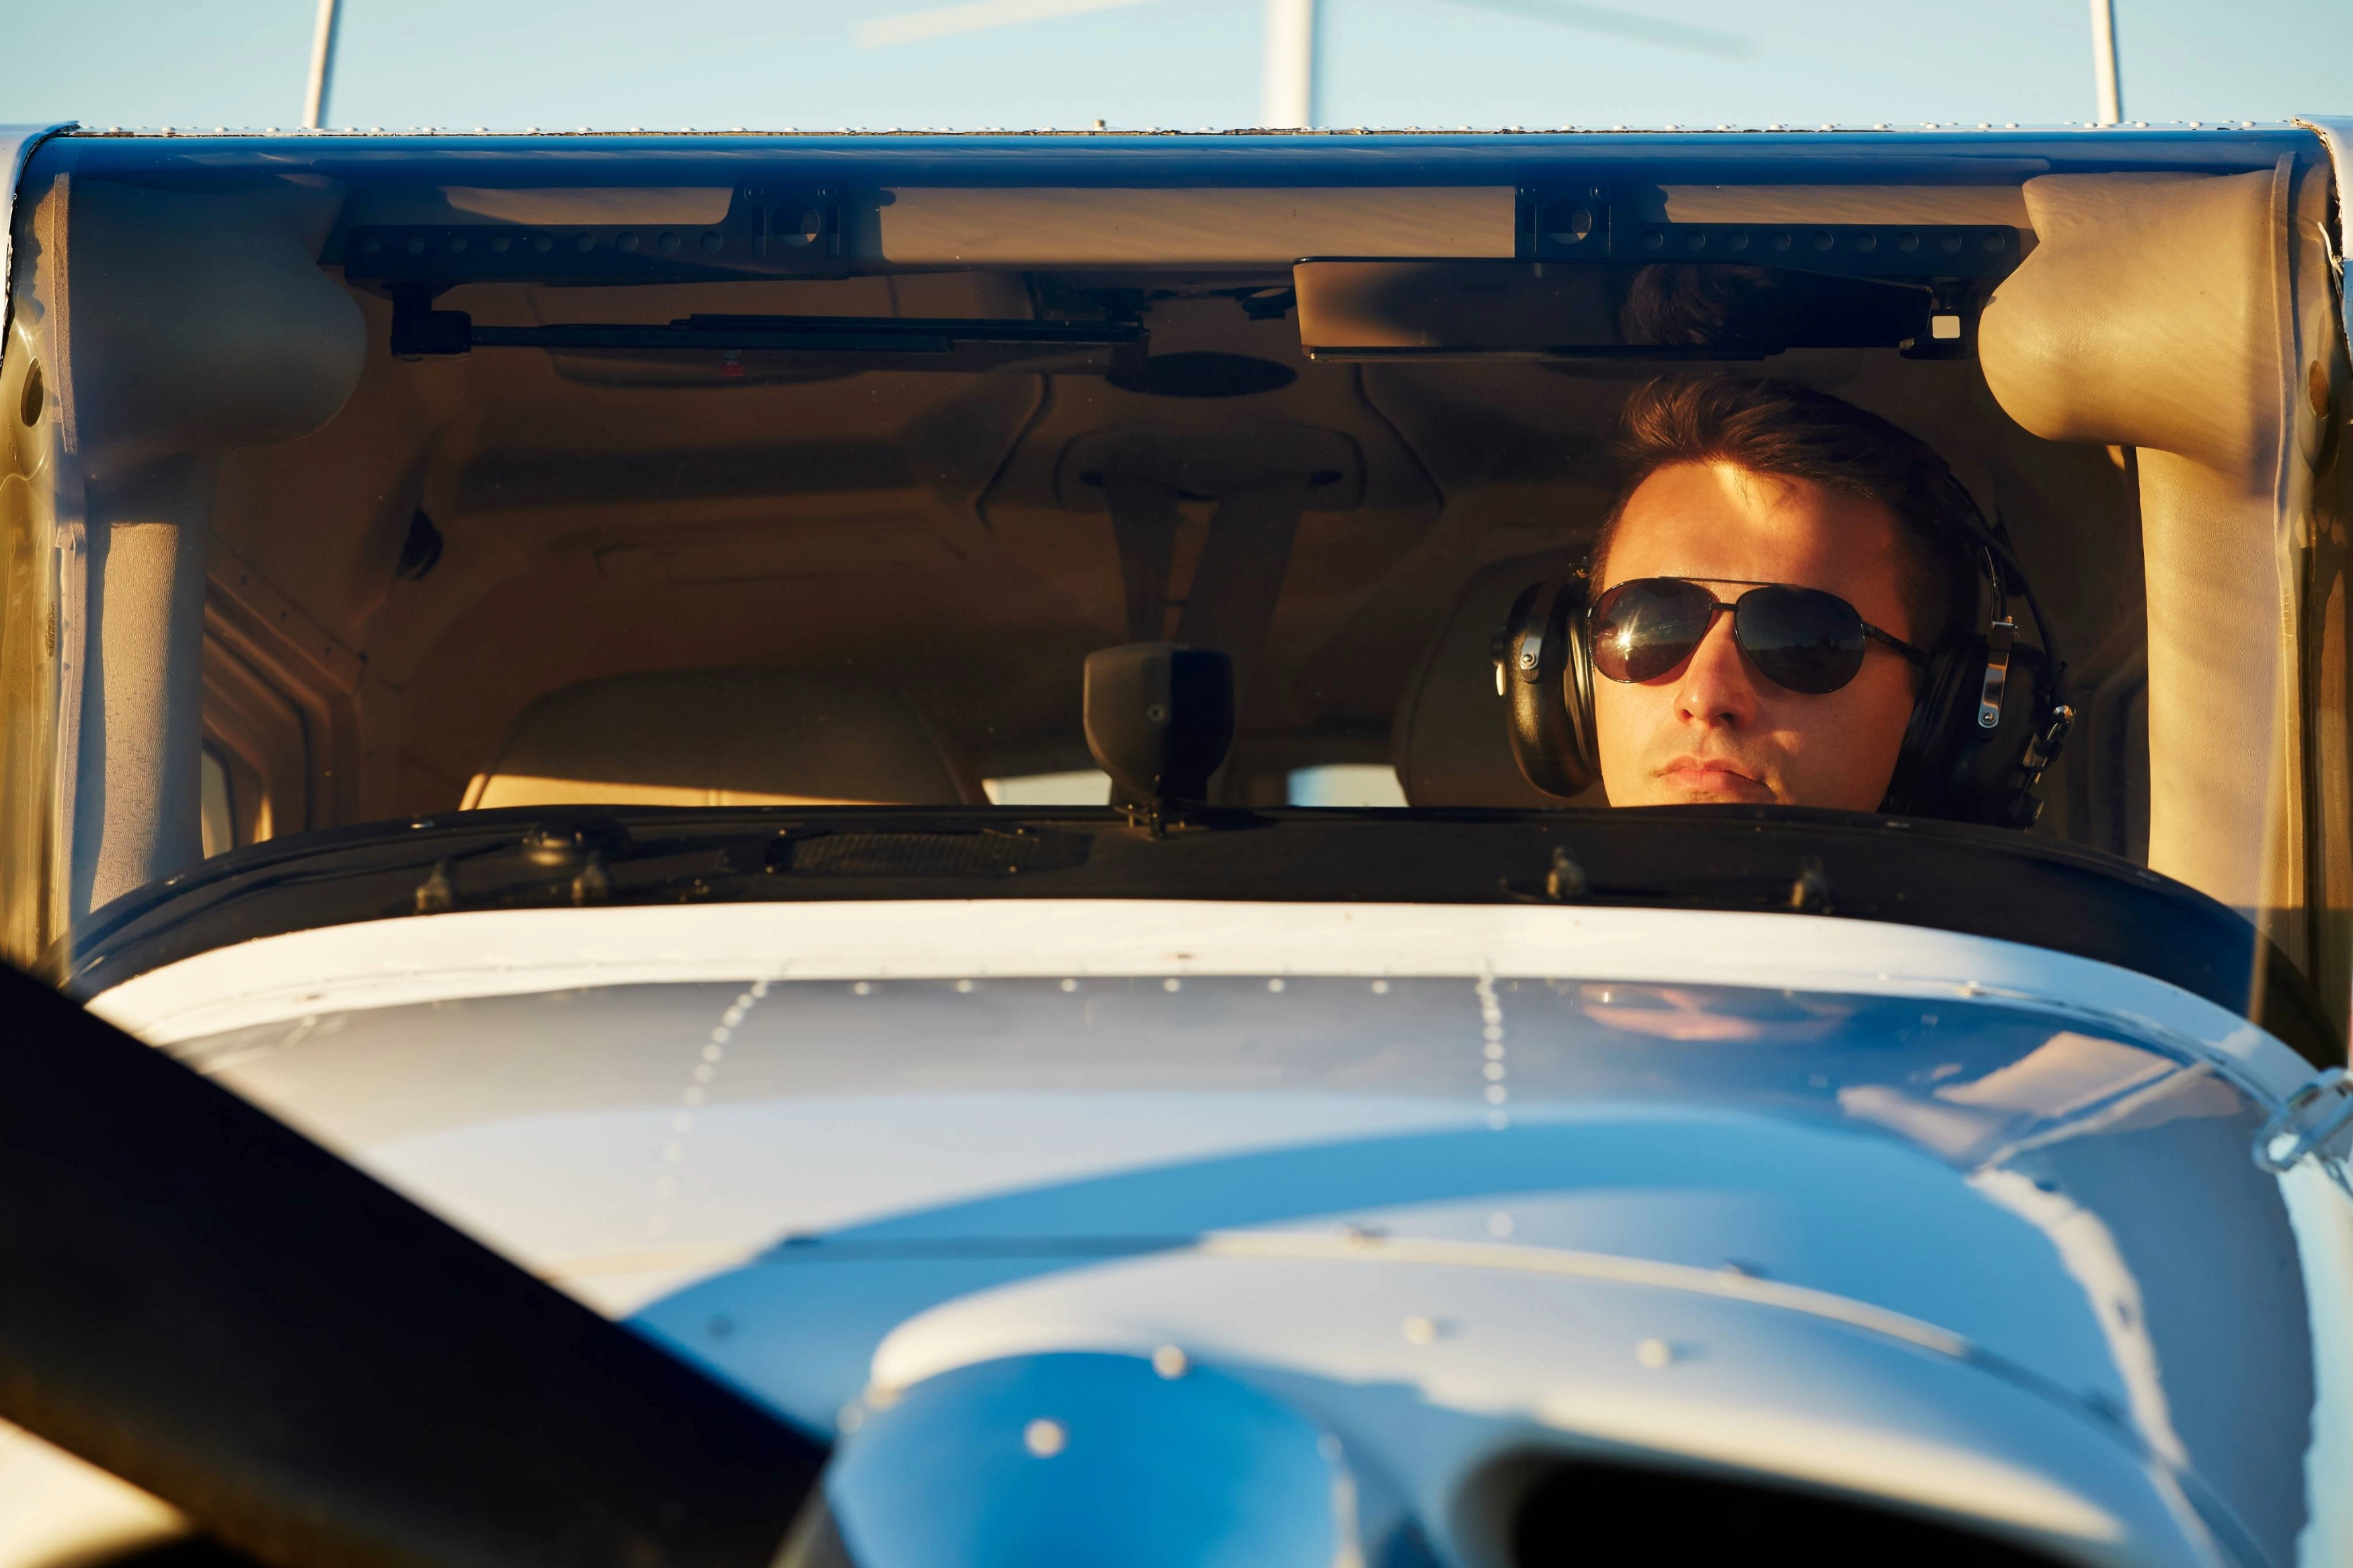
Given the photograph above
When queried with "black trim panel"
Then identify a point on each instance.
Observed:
(1976, 881)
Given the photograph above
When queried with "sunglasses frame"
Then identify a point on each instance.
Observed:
(1871, 633)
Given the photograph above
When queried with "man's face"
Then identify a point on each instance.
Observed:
(1713, 731)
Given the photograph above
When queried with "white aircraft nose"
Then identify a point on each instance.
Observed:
(1096, 1459)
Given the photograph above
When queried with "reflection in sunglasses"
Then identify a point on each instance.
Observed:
(1806, 640)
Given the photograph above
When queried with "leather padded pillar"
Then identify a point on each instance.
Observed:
(142, 699)
(2157, 311)
(191, 322)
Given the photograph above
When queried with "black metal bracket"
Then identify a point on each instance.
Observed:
(767, 232)
(1599, 220)
(1954, 306)
(420, 331)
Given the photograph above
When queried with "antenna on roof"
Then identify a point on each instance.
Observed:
(323, 66)
(2104, 76)
(1289, 99)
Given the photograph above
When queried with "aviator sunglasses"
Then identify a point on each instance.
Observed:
(1801, 639)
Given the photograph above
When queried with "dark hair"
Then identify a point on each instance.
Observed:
(1780, 428)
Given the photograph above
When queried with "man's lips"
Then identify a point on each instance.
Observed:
(1713, 775)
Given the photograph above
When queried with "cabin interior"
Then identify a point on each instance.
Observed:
(269, 573)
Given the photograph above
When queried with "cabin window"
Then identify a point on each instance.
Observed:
(1346, 784)
(216, 803)
(1074, 786)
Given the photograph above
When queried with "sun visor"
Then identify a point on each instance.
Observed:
(1583, 309)
(1077, 226)
(2143, 318)
(202, 322)
(561, 207)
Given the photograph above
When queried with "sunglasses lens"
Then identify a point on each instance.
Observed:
(1801, 639)
(1643, 629)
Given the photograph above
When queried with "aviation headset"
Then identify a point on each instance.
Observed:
(1992, 714)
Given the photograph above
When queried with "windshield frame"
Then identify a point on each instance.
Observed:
(136, 923)
(1949, 877)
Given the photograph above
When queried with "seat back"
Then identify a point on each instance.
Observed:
(1448, 739)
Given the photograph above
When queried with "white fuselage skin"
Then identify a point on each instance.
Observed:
(1926, 1219)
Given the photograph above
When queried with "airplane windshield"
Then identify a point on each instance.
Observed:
(399, 528)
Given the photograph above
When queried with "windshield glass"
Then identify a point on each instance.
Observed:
(395, 529)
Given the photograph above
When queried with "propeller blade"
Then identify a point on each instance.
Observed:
(318, 1371)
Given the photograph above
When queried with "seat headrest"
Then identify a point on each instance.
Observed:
(1448, 739)
(723, 737)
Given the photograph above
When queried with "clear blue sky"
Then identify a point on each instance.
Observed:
(1177, 63)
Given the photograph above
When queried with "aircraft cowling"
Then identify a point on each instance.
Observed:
(1992, 1252)
(1097, 1459)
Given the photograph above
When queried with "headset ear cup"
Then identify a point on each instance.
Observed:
(1925, 759)
(1530, 658)
(1953, 767)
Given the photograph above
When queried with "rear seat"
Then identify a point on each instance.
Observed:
(723, 737)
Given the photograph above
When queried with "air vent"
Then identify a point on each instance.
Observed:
(1613, 1513)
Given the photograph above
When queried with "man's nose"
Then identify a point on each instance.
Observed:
(1717, 686)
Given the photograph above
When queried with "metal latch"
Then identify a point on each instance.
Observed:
(2314, 1114)
(1999, 638)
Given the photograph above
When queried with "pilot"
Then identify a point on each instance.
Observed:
(1767, 592)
